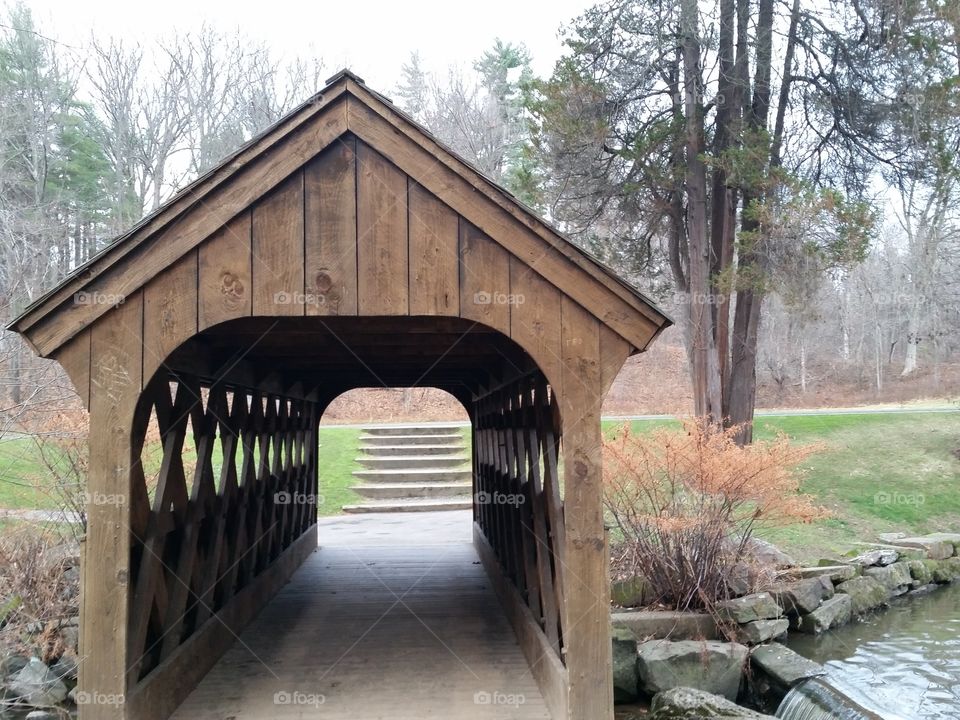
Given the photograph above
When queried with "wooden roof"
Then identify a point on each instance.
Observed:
(344, 107)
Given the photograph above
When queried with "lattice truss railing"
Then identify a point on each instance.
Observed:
(518, 503)
(224, 480)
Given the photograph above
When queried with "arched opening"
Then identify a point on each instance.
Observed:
(229, 510)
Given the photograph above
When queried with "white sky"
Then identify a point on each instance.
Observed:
(371, 37)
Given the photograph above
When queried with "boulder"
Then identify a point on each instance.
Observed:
(760, 631)
(880, 556)
(836, 573)
(803, 596)
(715, 667)
(935, 548)
(41, 715)
(37, 685)
(624, 666)
(892, 576)
(947, 570)
(683, 703)
(672, 624)
(66, 668)
(630, 592)
(890, 537)
(783, 665)
(758, 606)
(866, 593)
(831, 613)
(921, 571)
(11, 665)
(762, 552)
(952, 538)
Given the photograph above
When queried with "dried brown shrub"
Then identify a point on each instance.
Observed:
(687, 503)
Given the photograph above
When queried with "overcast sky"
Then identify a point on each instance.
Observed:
(372, 37)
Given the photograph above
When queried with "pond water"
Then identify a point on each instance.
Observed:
(903, 662)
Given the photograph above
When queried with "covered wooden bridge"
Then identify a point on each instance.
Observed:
(343, 248)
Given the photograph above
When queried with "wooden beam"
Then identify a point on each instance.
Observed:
(586, 583)
(116, 349)
(159, 694)
(545, 666)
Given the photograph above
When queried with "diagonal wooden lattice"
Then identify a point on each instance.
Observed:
(236, 486)
(518, 504)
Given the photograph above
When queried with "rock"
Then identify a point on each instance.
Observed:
(745, 577)
(831, 613)
(890, 537)
(784, 665)
(66, 668)
(672, 624)
(63, 556)
(70, 634)
(712, 666)
(36, 684)
(836, 573)
(631, 592)
(866, 593)
(41, 715)
(624, 666)
(921, 571)
(880, 556)
(759, 606)
(759, 631)
(761, 552)
(952, 538)
(935, 548)
(803, 596)
(685, 703)
(947, 570)
(12, 664)
(892, 576)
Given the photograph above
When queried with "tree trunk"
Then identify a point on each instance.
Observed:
(703, 352)
(913, 339)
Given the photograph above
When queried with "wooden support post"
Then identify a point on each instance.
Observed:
(587, 586)
(116, 370)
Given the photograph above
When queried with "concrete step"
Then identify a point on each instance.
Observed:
(395, 440)
(398, 450)
(391, 462)
(438, 429)
(420, 475)
(410, 506)
(400, 491)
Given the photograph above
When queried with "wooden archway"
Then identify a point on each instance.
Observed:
(343, 245)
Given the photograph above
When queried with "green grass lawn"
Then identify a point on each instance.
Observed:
(24, 481)
(877, 473)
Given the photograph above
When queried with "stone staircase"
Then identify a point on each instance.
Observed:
(411, 468)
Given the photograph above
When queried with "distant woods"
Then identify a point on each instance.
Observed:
(783, 178)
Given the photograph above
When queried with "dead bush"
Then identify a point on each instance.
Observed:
(686, 504)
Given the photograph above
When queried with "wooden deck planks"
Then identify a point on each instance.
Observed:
(379, 632)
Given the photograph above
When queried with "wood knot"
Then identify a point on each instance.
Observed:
(232, 289)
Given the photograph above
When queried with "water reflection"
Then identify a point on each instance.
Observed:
(904, 661)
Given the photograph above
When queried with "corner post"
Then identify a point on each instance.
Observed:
(587, 592)
(115, 382)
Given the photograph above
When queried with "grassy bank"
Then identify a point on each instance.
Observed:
(877, 473)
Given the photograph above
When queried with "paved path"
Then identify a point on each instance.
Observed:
(392, 618)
